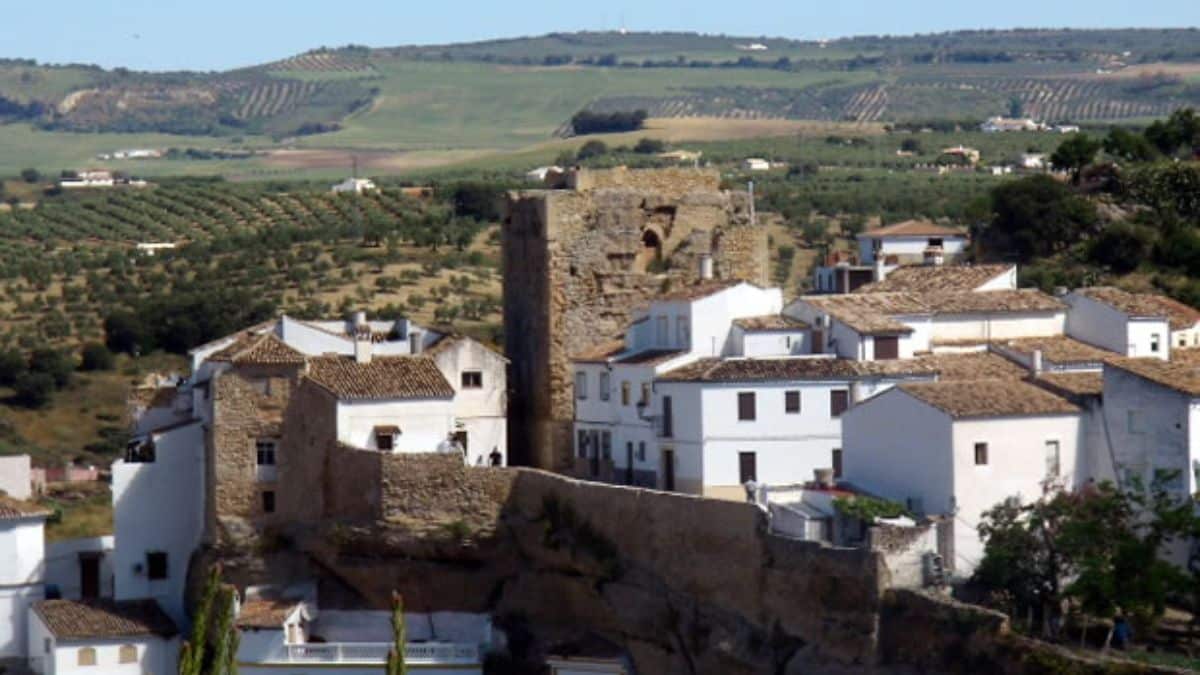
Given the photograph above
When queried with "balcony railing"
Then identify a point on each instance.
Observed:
(376, 652)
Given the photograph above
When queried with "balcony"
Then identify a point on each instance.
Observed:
(436, 653)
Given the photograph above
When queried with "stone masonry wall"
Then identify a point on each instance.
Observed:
(576, 265)
(248, 404)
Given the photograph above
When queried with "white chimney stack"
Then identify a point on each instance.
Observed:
(415, 342)
(360, 319)
(706, 266)
(1036, 362)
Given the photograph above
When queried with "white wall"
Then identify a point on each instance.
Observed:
(15, 476)
(155, 655)
(159, 506)
(1016, 468)
(310, 340)
(712, 316)
(480, 412)
(1101, 325)
(910, 249)
(1152, 428)
(63, 567)
(424, 423)
(22, 548)
(1004, 326)
(1142, 335)
(1005, 281)
(771, 343)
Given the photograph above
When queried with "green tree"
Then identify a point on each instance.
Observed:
(395, 661)
(1180, 130)
(649, 146)
(1016, 108)
(95, 356)
(31, 175)
(1122, 246)
(591, 149)
(12, 366)
(1128, 146)
(213, 621)
(1033, 217)
(33, 390)
(57, 364)
(1075, 153)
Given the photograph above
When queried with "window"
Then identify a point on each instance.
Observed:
(127, 654)
(839, 401)
(661, 335)
(581, 444)
(747, 467)
(935, 241)
(156, 565)
(1053, 466)
(264, 448)
(887, 347)
(746, 407)
(268, 501)
(47, 645)
(606, 444)
(791, 402)
(681, 331)
(1154, 338)
(86, 656)
(625, 392)
(604, 385)
(668, 418)
(581, 385)
(385, 440)
(645, 394)
(472, 379)
(641, 451)
(981, 452)
(837, 462)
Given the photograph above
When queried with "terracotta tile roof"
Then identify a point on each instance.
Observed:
(13, 509)
(770, 369)
(989, 398)
(770, 322)
(1058, 349)
(971, 366)
(259, 349)
(650, 357)
(1181, 375)
(933, 278)
(1089, 383)
(871, 313)
(1179, 315)
(699, 289)
(385, 377)
(601, 353)
(80, 619)
(265, 613)
(913, 228)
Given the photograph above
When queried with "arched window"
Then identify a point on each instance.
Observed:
(127, 654)
(87, 656)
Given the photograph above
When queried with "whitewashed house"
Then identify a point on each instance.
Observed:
(16, 476)
(956, 449)
(911, 241)
(22, 569)
(1131, 324)
(756, 164)
(102, 636)
(80, 569)
(1033, 161)
(1002, 124)
(298, 638)
(943, 279)
(614, 382)
(355, 186)
(900, 325)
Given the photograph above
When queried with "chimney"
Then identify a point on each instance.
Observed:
(416, 342)
(706, 267)
(360, 320)
(824, 478)
(362, 347)
(880, 270)
(1036, 362)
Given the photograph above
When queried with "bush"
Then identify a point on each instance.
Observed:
(58, 365)
(33, 390)
(591, 149)
(587, 122)
(12, 366)
(1122, 247)
(95, 356)
(31, 175)
(649, 146)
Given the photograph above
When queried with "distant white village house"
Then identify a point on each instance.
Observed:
(356, 186)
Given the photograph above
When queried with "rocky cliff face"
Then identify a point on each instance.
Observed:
(684, 585)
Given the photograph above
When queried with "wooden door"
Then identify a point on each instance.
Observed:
(747, 467)
(89, 576)
(668, 461)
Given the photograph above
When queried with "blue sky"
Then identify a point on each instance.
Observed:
(219, 34)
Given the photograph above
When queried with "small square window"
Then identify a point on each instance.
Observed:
(791, 402)
(385, 442)
(472, 379)
(981, 454)
(1154, 340)
(156, 565)
(268, 501)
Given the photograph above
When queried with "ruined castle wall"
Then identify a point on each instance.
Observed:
(576, 264)
(439, 489)
(309, 434)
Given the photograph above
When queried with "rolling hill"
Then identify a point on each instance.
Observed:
(504, 95)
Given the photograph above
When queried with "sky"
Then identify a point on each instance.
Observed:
(222, 34)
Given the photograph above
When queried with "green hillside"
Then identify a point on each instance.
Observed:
(503, 95)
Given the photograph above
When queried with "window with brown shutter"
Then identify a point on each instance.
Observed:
(981, 454)
(791, 402)
(839, 401)
(887, 347)
(747, 467)
(746, 411)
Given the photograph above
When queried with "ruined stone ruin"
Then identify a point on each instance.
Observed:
(579, 259)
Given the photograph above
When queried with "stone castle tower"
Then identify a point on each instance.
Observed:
(577, 261)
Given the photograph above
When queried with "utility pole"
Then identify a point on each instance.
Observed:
(753, 216)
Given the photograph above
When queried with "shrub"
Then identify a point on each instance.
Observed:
(1121, 247)
(95, 356)
(33, 390)
(649, 146)
(591, 149)
(12, 366)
